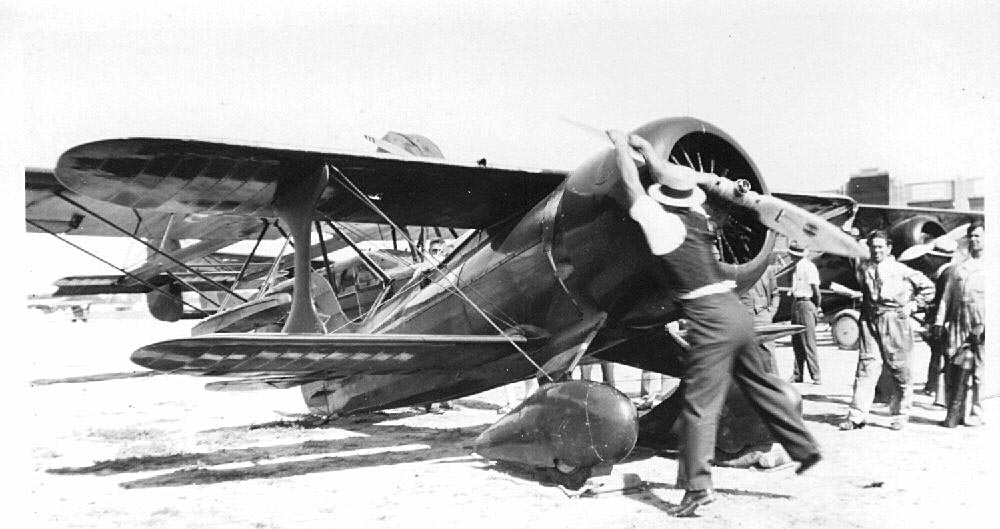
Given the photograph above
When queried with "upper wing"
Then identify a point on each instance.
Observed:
(44, 205)
(871, 217)
(332, 355)
(202, 177)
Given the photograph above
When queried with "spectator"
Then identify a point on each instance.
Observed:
(805, 311)
(762, 301)
(890, 292)
(962, 313)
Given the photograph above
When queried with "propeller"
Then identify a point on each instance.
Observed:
(787, 219)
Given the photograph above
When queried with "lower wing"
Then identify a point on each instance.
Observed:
(332, 355)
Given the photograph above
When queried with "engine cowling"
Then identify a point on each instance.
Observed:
(744, 244)
(920, 229)
(601, 253)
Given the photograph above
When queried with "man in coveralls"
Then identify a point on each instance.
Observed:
(720, 330)
(963, 314)
(890, 292)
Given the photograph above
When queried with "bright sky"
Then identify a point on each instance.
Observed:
(812, 90)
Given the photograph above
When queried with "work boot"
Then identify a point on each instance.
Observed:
(809, 462)
(691, 501)
(849, 425)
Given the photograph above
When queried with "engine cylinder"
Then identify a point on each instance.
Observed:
(615, 272)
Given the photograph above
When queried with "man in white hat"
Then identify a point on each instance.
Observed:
(720, 330)
(805, 311)
(939, 258)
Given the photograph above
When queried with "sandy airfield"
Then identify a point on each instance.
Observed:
(161, 451)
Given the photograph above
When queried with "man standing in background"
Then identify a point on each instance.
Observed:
(762, 301)
(962, 312)
(939, 257)
(890, 292)
(805, 311)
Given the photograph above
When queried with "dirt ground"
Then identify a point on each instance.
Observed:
(160, 451)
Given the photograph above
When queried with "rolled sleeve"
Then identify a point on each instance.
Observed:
(664, 231)
(923, 288)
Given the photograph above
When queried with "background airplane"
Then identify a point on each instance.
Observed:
(906, 226)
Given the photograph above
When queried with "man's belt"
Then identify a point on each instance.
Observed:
(880, 309)
(803, 299)
(708, 290)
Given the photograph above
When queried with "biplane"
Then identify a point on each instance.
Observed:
(550, 272)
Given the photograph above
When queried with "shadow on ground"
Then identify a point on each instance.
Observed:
(377, 444)
(836, 399)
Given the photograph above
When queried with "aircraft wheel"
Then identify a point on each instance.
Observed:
(846, 329)
(570, 477)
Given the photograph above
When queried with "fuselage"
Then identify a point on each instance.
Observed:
(575, 259)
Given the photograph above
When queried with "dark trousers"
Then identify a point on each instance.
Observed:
(804, 343)
(724, 349)
(607, 372)
(936, 363)
(766, 349)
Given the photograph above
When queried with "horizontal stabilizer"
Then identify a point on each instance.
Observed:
(122, 284)
(333, 355)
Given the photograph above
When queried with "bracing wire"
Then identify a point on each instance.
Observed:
(455, 288)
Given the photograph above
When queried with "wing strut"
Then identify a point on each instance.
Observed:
(149, 285)
(353, 189)
(295, 200)
(326, 258)
(367, 260)
(246, 262)
(151, 247)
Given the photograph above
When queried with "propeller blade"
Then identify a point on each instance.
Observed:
(603, 135)
(787, 219)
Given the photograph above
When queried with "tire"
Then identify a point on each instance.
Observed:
(846, 329)
(572, 479)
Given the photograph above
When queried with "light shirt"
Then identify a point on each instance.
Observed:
(804, 276)
(664, 231)
(891, 284)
